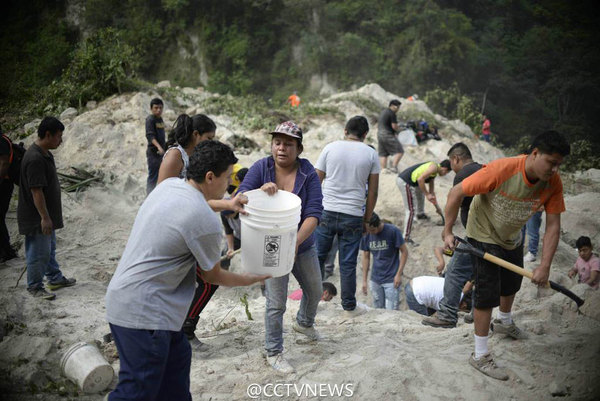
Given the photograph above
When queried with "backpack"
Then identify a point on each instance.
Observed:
(17, 151)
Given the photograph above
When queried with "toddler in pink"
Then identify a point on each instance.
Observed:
(587, 265)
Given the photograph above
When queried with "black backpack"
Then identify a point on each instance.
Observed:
(15, 158)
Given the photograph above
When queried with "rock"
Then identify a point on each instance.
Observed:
(32, 126)
(68, 114)
(558, 389)
(92, 104)
(36, 378)
(163, 84)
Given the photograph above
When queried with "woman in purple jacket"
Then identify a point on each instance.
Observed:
(284, 170)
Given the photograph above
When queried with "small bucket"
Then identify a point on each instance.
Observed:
(84, 364)
(269, 232)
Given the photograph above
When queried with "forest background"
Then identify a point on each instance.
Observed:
(528, 65)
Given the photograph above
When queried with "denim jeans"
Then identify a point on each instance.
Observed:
(40, 253)
(533, 232)
(413, 304)
(349, 232)
(385, 295)
(155, 365)
(458, 271)
(306, 270)
(154, 161)
(330, 261)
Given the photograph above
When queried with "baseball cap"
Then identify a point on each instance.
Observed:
(288, 128)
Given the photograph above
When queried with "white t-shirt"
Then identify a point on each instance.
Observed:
(347, 166)
(154, 283)
(429, 291)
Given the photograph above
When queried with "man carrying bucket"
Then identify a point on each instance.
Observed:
(151, 290)
(284, 170)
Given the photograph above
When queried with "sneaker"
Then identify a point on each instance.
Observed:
(42, 294)
(529, 257)
(280, 364)
(435, 321)
(357, 311)
(469, 318)
(422, 216)
(487, 366)
(309, 332)
(411, 242)
(197, 345)
(509, 329)
(393, 170)
(63, 282)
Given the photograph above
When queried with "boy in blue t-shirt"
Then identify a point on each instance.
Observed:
(390, 254)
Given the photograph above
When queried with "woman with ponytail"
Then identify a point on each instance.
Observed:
(187, 132)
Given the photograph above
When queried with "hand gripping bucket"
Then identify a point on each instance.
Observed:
(84, 364)
(269, 232)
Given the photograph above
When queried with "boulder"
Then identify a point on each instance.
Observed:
(68, 114)
(163, 84)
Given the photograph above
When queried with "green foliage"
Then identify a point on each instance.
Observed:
(244, 301)
(582, 157)
(453, 104)
(102, 65)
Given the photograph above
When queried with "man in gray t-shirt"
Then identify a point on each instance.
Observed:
(347, 168)
(151, 290)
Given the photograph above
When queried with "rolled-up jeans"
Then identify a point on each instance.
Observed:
(348, 229)
(385, 295)
(458, 271)
(40, 253)
(307, 272)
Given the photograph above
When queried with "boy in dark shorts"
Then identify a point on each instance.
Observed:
(507, 192)
(387, 137)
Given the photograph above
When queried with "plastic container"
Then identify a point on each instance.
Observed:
(84, 364)
(269, 232)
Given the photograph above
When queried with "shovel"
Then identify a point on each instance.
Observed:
(439, 211)
(514, 268)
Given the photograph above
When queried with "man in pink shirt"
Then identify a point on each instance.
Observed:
(486, 130)
(329, 291)
(587, 264)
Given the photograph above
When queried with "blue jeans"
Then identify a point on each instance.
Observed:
(155, 365)
(40, 253)
(385, 295)
(533, 232)
(458, 271)
(349, 231)
(306, 270)
(330, 261)
(413, 304)
(154, 161)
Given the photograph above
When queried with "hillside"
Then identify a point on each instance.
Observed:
(385, 355)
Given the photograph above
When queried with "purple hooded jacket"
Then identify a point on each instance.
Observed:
(307, 186)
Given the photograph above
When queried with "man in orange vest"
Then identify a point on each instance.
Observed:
(294, 100)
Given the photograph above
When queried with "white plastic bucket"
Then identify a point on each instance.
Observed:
(84, 364)
(269, 232)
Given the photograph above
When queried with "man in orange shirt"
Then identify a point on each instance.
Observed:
(294, 100)
(507, 192)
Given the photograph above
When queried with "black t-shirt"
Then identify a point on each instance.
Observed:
(466, 203)
(406, 175)
(38, 171)
(386, 118)
(155, 129)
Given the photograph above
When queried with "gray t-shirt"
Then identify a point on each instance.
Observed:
(347, 166)
(154, 283)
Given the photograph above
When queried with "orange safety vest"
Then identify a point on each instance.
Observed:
(294, 100)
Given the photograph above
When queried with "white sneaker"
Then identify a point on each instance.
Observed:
(279, 363)
(530, 257)
(309, 332)
(359, 310)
